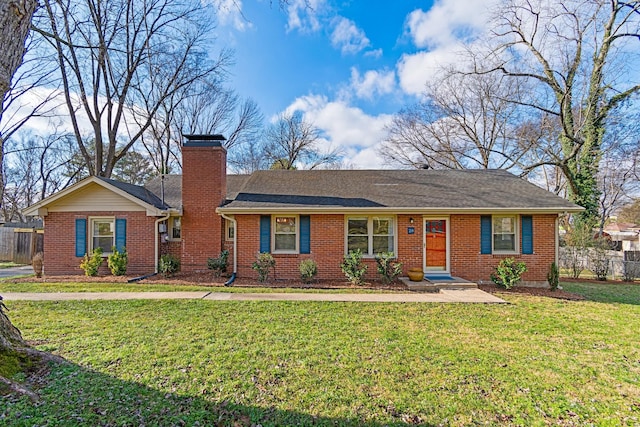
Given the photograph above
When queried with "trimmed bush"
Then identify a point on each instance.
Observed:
(91, 264)
(308, 270)
(388, 268)
(219, 265)
(117, 262)
(263, 266)
(168, 265)
(508, 272)
(353, 268)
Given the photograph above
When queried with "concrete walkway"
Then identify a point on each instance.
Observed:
(461, 296)
(24, 270)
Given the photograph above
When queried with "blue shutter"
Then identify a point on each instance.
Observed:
(81, 237)
(265, 233)
(527, 234)
(121, 234)
(485, 234)
(305, 234)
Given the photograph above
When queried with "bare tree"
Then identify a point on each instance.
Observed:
(293, 143)
(120, 60)
(576, 57)
(464, 123)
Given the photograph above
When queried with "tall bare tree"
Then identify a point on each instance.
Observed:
(119, 60)
(463, 123)
(293, 143)
(577, 55)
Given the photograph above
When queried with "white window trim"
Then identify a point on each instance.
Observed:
(516, 243)
(369, 217)
(90, 222)
(170, 237)
(273, 234)
(228, 225)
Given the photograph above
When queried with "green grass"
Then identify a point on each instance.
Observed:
(605, 291)
(9, 264)
(537, 361)
(47, 287)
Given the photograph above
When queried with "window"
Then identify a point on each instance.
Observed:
(504, 233)
(175, 228)
(285, 232)
(229, 229)
(371, 234)
(102, 234)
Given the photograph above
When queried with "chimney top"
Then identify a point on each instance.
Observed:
(214, 140)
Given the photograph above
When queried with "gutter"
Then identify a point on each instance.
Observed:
(235, 248)
(156, 252)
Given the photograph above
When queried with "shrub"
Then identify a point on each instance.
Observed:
(218, 265)
(308, 270)
(353, 268)
(37, 262)
(168, 265)
(90, 264)
(574, 253)
(263, 265)
(508, 272)
(387, 267)
(599, 259)
(117, 261)
(553, 276)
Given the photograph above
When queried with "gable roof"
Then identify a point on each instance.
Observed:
(397, 190)
(134, 193)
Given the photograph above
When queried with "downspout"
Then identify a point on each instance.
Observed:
(158, 221)
(235, 249)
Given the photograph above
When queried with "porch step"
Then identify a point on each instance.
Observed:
(434, 285)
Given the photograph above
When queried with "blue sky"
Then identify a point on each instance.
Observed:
(347, 65)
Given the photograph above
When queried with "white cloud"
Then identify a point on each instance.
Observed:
(347, 37)
(351, 129)
(304, 15)
(230, 13)
(372, 83)
(447, 21)
(375, 53)
(440, 32)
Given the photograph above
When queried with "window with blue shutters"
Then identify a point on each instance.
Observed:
(81, 237)
(526, 223)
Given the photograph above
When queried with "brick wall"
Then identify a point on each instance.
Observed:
(204, 184)
(327, 248)
(469, 263)
(60, 242)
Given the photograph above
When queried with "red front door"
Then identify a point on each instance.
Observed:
(435, 239)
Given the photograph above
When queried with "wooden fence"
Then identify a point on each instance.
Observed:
(20, 244)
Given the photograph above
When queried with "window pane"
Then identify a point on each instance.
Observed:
(357, 226)
(502, 224)
(102, 228)
(382, 226)
(176, 228)
(358, 242)
(285, 225)
(504, 242)
(106, 243)
(285, 242)
(382, 244)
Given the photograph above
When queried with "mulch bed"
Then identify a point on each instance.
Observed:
(205, 278)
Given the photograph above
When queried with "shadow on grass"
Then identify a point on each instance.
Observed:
(606, 292)
(74, 396)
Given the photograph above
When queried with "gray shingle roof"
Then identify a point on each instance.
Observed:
(435, 189)
(137, 191)
(173, 188)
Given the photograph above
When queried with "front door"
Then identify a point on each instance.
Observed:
(435, 243)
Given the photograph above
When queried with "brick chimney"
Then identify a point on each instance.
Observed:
(204, 188)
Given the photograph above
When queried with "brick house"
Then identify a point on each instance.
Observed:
(449, 222)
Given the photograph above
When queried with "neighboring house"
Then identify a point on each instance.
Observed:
(624, 236)
(448, 222)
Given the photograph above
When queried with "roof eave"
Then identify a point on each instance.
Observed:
(400, 210)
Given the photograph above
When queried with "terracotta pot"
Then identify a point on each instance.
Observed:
(415, 274)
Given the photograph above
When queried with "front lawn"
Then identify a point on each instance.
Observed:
(536, 361)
